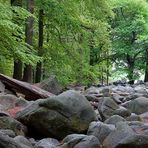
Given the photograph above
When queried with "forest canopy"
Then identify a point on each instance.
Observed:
(80, 42)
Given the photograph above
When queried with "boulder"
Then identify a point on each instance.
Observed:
(59, 115)
(80, 141)
(134, 117)
(100, 130)
(7, 101)
(114, 119)
(7, 122)
(134, 96)
(117, 98)
(135, 141)
(106, 107)
(51, 85)
(47, 143)
(7, 142)
(8, 132)
(122, 131)
(138, 127)
(119, 88)
(138, 106)
(122, 111)
(140, 89)
(23, 142)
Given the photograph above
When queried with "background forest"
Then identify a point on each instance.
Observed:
(79, 41)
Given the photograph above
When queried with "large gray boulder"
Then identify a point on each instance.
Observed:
(80, 141)
(138, 106)
(122, 131)
(58, 116)
(107, 107)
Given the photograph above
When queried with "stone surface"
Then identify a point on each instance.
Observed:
(122, 111)
(60, 115)
(23, 142)
(12, 124)
(122, 131)
(7, 142)
(7, 101)
(138, 106)
(135, 141)
(8, 132)
(80, 141)
(51, 84)
(47, 143)
(100, 130)
(134, 117)
(106, 107)
(114, 119)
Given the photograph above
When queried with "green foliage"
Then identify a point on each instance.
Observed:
(12, 36)
(67, 32)
(129, 35)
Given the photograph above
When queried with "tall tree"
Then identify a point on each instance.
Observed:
(28, 72)
(40, 46)
(17, 70)
(128, 26)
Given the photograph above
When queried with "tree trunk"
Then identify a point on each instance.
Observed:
(29, 37)
(18, 69)
(146, 69)
(40, 52)
(131, 64)
(17, 72)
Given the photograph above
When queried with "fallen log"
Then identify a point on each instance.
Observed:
(30, 91)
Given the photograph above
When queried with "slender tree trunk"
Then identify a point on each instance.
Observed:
(146, 69)
(18, 65)
(29, 37)
(39, 64)
(131, 65)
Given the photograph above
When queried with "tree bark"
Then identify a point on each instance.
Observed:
(40, 52)
(27, 76)
(18, 69)
(18, 65)
(31, 92)
(131, 65)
